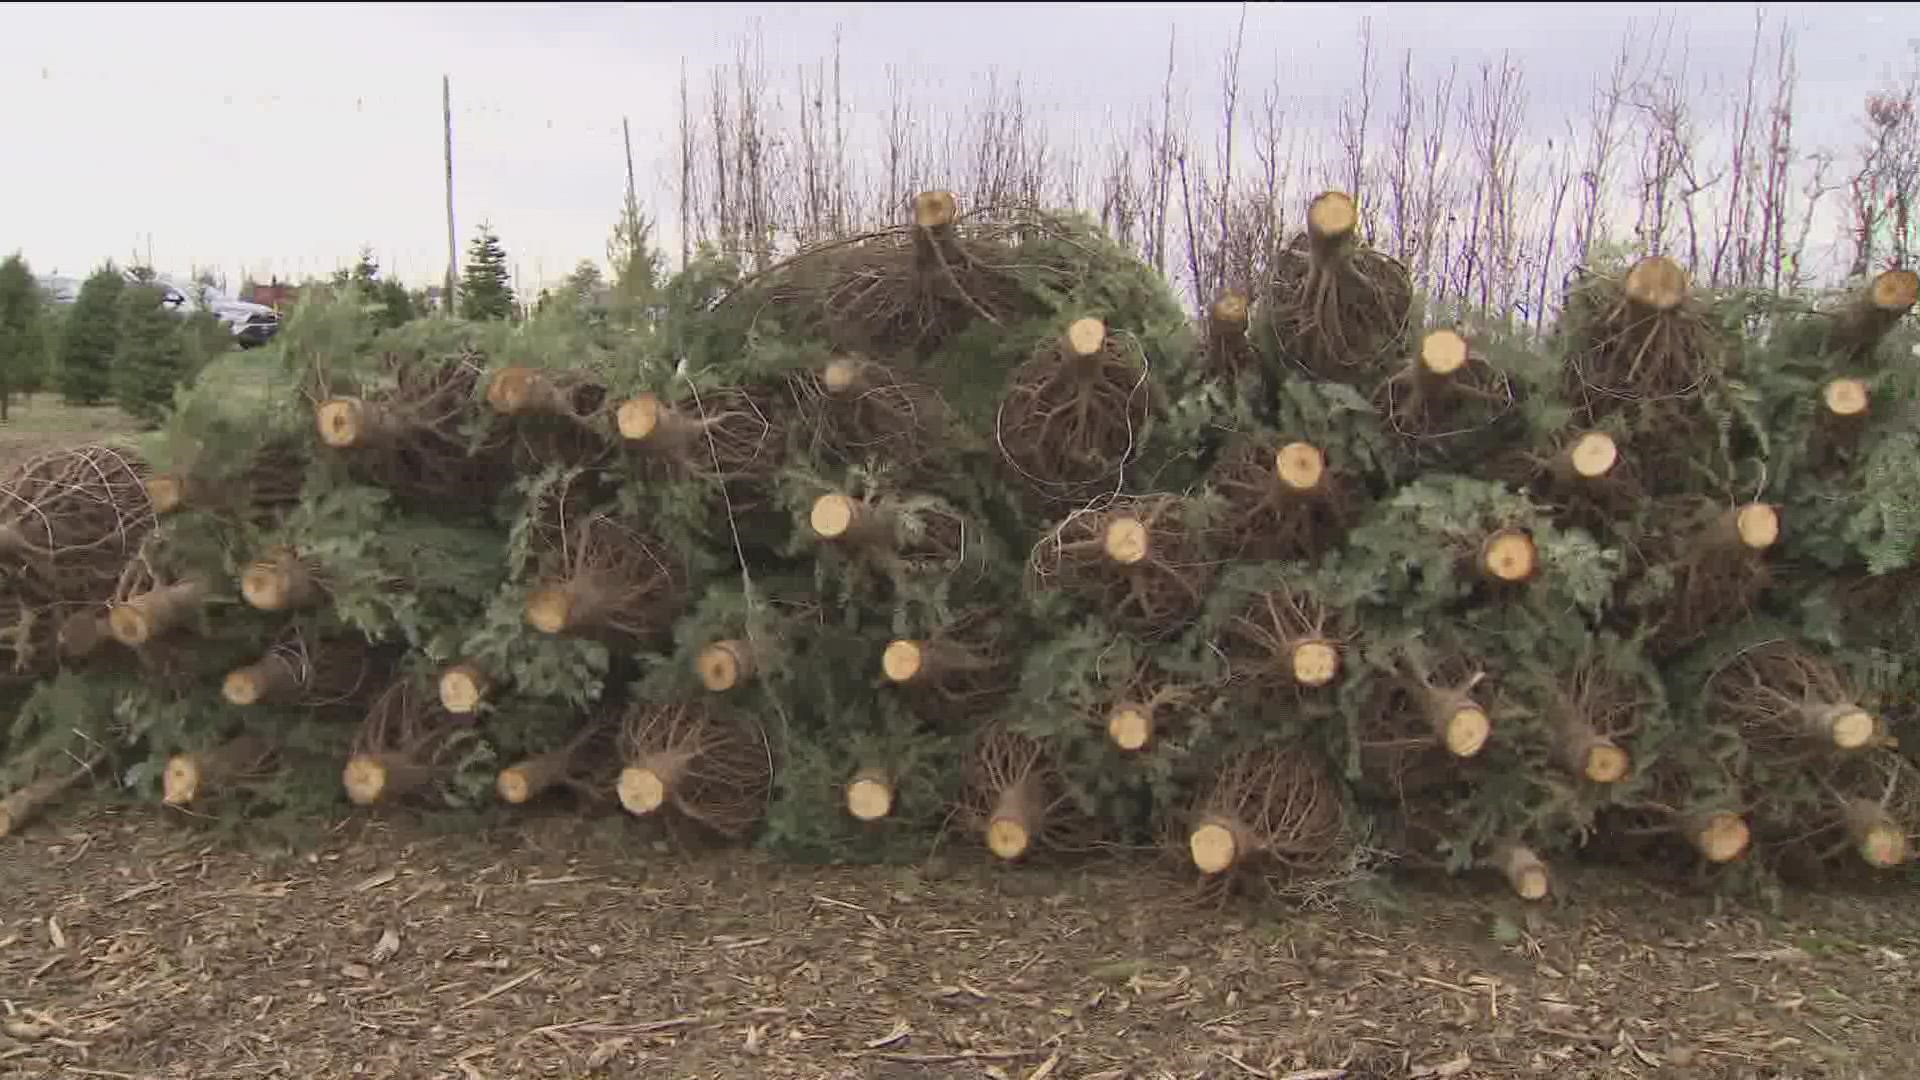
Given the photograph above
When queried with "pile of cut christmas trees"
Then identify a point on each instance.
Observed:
(962, 529)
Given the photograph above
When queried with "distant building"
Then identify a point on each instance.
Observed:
(277, 296)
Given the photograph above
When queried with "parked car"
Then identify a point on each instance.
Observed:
(251, 324)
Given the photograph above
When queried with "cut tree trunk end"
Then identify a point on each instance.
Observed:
(1589, 457)
(648, 421)
(1895, 290)
(280, 582)
(1508, 557)
(904, 661)
(1217, 845)
(1014, 821)
(166, 492)
(1595, 757)
(269, 679)
(1862, 323)
(647, 784)
(1524, 871)
(1878, 839)
(936, 249)
(1314, 663)
(724, 665)
(1459, 722)
(563, 607)
(149, 615)
(462, 688)
(1228, 315)
(844, 377)
(1657, 284)
(1130, 726)
(515, 390)
(935, 209)
(19, 808)
(374, 778)
(188, 776)
(843, 518)
(1333, 223)
(521, 782)
(1719, 837)
(1126, 541)
(1844, 726)
(344, 423)
(1755, 526)
(1301, 467)
(1081, 343)
(1845, 399)
(1443, 354)
(870, 795)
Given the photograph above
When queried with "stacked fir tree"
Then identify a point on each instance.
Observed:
(962, 527)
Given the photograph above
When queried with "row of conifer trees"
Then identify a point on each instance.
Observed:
(964, 528)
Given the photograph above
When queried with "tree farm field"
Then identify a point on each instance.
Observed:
(138, 941)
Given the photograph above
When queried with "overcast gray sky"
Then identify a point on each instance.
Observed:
(280, 138)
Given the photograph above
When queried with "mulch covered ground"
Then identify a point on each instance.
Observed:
(139, 943)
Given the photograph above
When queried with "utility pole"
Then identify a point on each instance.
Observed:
(453, 242)
(626, 135)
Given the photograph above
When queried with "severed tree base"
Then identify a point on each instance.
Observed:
(1336, 310)
(188, 777)
(870, 795)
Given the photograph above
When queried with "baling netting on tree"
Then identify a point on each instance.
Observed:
(960, 533)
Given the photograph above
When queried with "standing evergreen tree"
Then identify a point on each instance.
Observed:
(152, 357)
(366, 272)
(396, 304)
(636, 263)
(485, 290)
(22, 347)
(92, 336)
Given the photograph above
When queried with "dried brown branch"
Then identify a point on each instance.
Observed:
(1143, 705)
(1419, 722)
(1713, 561)
(146, 616)
(305, 673)
(1444, 392)
(1587, 715)
(1283, 502)
(1337, 309)
(70, 520)
(404, 744)
(902, 537)
(281, 581)
(721, 436)
(1272, 816)
(1016, 799)
(858, 411)
(1858, 328)
(1073, 416)
(607, 578)
(709, 767)
(1788, 703)
(411, 438)
(267, 485)
(190, 776)
(959, 672)
(20, 807)
(578, 764)
(1282, 639)
(1137, 560)
(558, 415)
(1639, 340)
